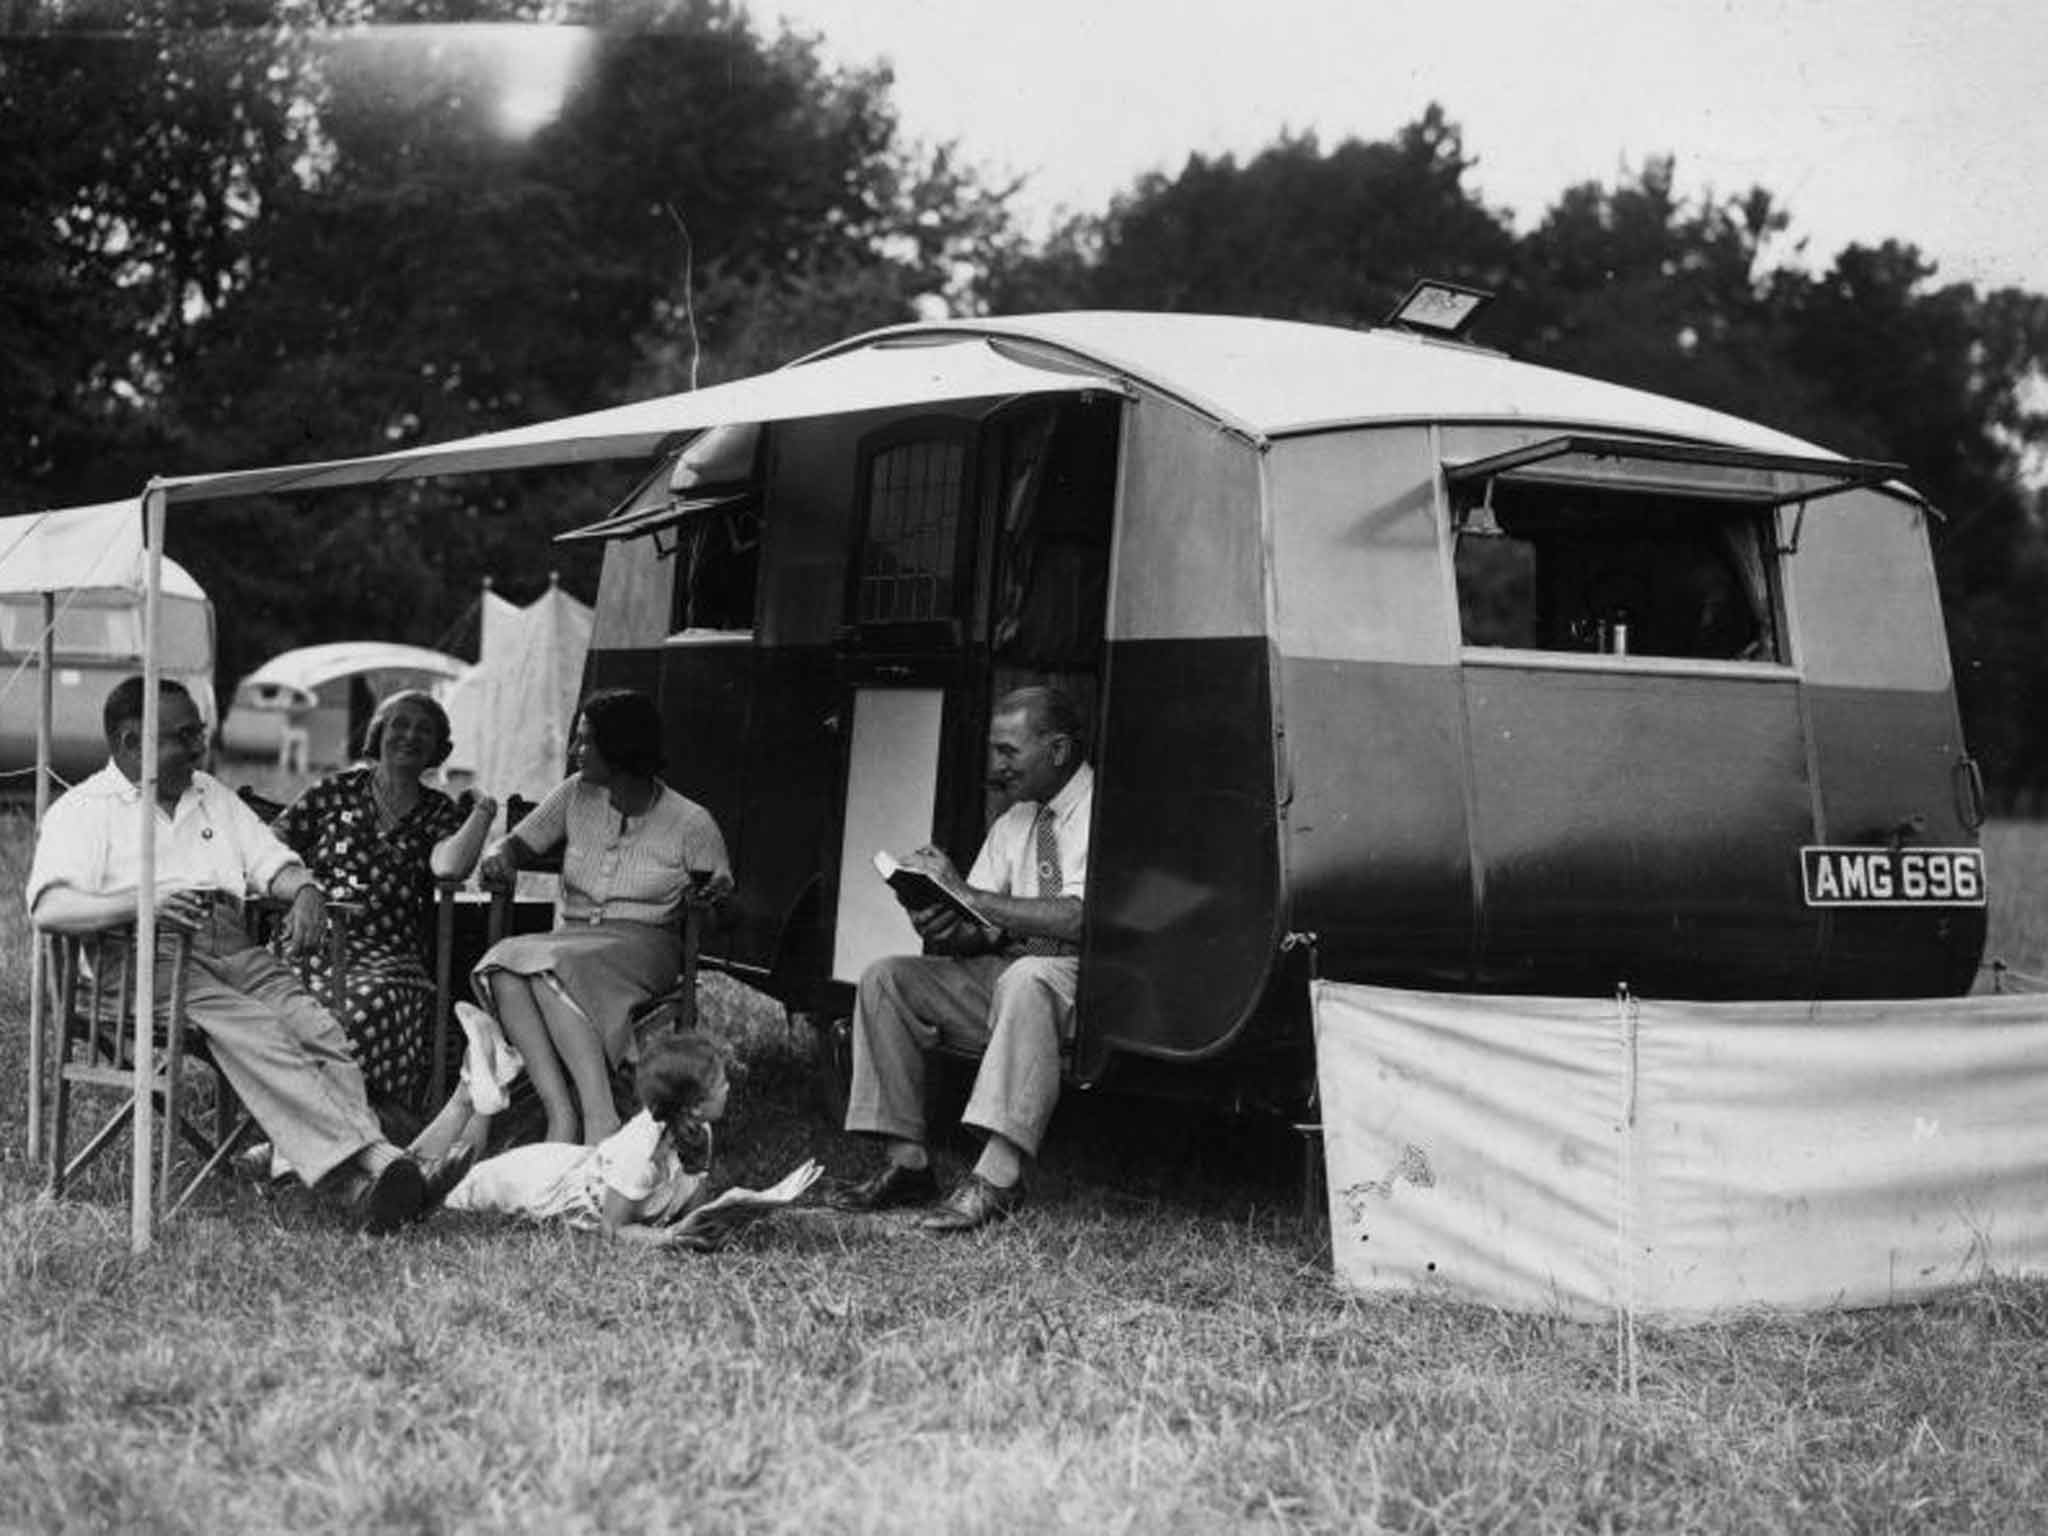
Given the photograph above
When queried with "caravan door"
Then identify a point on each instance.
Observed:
(902, 657)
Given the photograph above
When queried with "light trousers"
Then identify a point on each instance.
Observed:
(285, 1055)
(1013, 1013)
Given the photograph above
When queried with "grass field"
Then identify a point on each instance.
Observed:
(1156, 1345)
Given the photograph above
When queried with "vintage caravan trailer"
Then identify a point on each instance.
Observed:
(97, 641)
(1408, 663)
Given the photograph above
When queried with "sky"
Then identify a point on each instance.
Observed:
(1921, 120)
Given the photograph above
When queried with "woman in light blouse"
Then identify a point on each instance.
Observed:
(633, 851)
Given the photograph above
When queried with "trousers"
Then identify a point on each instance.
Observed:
(1013, 1013)
(285, 1055)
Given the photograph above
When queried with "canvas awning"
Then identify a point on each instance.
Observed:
(73, 549)
(875, 378)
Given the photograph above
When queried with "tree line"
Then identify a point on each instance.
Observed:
(250, 231)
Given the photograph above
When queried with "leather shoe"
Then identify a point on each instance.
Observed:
(974, 1203)
(442, 1177)
(895, 1186)
(393, 1196)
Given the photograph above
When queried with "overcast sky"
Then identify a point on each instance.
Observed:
(1917, 119)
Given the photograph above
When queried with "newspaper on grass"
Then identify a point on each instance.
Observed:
(716, 1222)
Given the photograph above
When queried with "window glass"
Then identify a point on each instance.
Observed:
(1611, 572)
(910, 560)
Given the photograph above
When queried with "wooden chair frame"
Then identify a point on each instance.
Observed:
(90, 1026)
(89, 1043)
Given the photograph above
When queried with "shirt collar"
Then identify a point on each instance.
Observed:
(1072, 791)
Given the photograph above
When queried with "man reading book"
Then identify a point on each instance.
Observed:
(1006, 993)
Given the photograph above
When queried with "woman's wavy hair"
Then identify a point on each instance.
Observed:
(625, 727)
(676, 1074)
(373, 734)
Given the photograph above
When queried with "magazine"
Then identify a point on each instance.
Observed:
(918, 890)
(714, 1223)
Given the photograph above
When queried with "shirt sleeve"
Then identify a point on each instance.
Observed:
(995, 867)
(445, 817)
(626, 1161)
(704, 845)
(264, 855)
(70, 851)
(544, 827)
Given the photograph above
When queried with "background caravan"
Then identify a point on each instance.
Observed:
(97, 641)
(1408, 664)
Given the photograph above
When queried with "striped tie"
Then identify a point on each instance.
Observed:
(1045, 847)
(1047, 841)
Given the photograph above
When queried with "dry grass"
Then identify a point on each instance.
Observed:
(1155, 1347)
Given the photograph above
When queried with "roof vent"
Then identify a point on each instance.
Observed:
(1440, 309)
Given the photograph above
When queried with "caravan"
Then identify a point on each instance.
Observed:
(1408, 663)
(71, 590)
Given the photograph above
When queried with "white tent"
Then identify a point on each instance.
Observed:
(512, 712)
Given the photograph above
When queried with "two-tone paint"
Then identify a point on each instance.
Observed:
(1302, 766)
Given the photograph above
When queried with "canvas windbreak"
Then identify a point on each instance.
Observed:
(1675, 1161)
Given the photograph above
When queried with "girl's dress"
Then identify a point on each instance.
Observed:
(387, 1005)
(615, 941)
(555, 1180)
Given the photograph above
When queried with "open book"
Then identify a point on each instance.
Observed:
(917, 890)
(714, 1223)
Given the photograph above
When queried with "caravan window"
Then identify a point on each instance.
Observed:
(1618, 572)
(91, 630)
(718, 567)
(914, 492)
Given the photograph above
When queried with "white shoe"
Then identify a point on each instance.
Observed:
(490, 1063)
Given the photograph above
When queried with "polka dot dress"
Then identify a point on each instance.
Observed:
(387, 1008)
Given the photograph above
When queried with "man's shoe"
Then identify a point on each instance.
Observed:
(393, 1196)
(442, 1178)
(894, 1187)
(974, 1203)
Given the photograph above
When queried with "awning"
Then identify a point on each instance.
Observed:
(1680, 469)
(73, 549)
(874, 378)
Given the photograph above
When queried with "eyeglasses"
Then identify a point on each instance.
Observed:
(192, 737)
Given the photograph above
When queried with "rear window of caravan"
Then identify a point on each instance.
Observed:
(1618, 572)
(93, 632)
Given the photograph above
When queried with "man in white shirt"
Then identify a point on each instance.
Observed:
(286, 1055)
(1006, 994)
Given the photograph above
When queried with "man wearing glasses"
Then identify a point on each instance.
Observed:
(285, 1054)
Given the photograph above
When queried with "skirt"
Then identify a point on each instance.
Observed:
(602, 970)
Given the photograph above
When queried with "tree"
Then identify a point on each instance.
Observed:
(373, 260)
(1296, 232)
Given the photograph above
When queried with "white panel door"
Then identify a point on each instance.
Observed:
(892, 785)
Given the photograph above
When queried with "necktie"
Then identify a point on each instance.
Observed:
(1046, 841)
(1045, 851)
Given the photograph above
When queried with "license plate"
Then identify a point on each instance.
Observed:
(1893, 877)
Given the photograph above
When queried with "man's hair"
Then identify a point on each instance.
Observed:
(625, 727)
(124, 704)
(1050, 710)
(373, 734)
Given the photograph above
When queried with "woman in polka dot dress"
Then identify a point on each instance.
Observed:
(373, 834)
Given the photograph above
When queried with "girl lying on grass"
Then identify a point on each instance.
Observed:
(631, 1185)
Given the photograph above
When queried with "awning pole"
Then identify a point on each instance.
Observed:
(143, 1121)
(45, 709)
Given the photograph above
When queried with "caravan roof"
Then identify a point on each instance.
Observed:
(1274, 378)
(313, 665)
